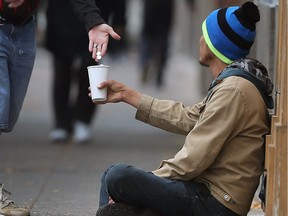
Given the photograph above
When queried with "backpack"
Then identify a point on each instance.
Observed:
(262, 193)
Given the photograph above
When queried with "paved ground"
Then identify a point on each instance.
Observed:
(59, 180)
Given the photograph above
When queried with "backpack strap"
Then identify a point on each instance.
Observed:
(246, 75)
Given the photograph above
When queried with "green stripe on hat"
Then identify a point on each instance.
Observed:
(212, 48)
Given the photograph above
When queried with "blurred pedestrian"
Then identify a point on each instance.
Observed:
(67, 41)
(73, 113)
(155, 38)
(17, 56)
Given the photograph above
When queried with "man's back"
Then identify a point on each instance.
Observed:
(239, 165)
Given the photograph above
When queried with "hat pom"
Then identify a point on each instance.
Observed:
(248, 14)
(251, 12)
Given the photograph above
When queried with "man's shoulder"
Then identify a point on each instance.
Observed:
(237, 83)
(233, 87)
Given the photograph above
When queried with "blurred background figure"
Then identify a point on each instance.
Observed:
(155, 35)
(67, 41)
(228, 3)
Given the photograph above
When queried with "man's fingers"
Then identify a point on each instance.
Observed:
(112, 84)
(107, 83)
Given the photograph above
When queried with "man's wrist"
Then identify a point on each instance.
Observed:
(131, 97)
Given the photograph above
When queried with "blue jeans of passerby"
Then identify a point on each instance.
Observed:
(17, 56)
(130, 185)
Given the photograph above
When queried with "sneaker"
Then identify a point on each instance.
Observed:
(59, 135)
(8, 207)
(82, 132)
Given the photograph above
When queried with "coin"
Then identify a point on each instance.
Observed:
(99, 57)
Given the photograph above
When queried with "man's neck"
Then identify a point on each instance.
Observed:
(216, 67)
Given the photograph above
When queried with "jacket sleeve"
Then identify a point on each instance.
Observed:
(168, 115)
(88, 13)
(208, 137)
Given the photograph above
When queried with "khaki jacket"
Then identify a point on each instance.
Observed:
(224, 146)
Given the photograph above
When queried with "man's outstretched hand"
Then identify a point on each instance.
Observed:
(118, 92)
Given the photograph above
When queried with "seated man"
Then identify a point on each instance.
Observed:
(218, 168)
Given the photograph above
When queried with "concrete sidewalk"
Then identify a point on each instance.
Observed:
(59, 180)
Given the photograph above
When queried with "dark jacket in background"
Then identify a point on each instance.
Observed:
(65, 34)
(158, 16)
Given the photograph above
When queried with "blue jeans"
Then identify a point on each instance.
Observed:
(17, 56)
(130, 185)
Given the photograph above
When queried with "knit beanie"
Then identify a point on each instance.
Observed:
(230, 32)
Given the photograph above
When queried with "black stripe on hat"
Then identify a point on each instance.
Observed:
(228, 31)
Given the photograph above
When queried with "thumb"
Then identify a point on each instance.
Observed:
(114, 34)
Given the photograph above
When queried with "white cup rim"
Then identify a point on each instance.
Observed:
(98, 66)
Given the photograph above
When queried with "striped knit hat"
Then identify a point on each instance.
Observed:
(230, 32)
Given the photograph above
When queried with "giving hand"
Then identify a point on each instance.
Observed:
(98, 40)
(14, 3)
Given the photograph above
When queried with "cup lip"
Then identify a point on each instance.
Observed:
(98, 66)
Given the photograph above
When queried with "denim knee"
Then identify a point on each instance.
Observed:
(116, 174)
(117, 177)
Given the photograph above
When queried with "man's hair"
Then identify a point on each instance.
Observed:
(121, 209)
(230, 32)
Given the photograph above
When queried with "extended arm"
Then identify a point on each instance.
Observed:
(165, 114)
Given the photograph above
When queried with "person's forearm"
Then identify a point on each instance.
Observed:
(88, 13)
(118, 92)
(132, 97)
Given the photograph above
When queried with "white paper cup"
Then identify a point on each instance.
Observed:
(97, 74)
